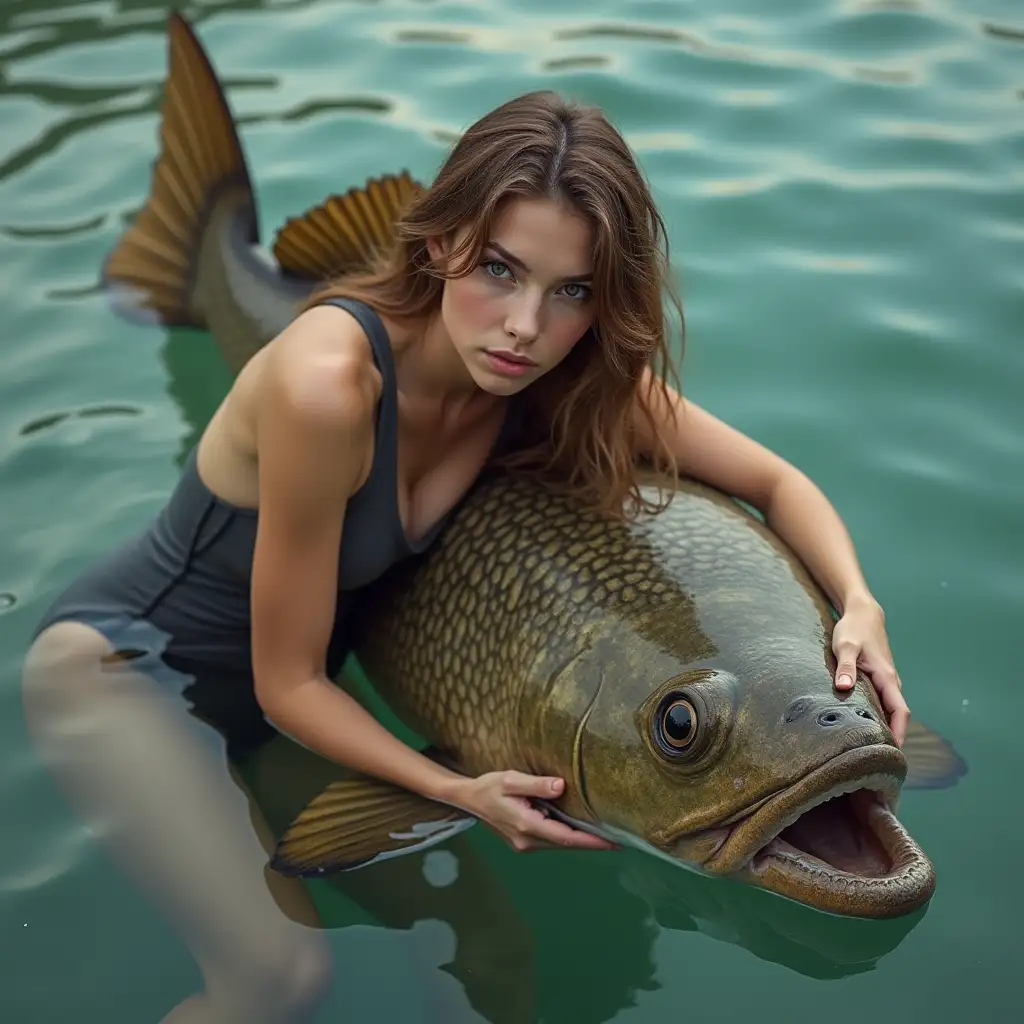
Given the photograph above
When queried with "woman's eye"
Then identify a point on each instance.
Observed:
(497, 269)
(577, 292)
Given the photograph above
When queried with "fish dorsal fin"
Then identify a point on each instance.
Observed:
(932, 763)
(356, 821)
(346, 232)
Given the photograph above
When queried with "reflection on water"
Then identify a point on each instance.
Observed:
(513, 922)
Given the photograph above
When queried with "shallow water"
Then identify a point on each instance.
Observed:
(842, 183)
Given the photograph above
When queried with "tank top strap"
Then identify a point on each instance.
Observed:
(376, 502)
(380, 343)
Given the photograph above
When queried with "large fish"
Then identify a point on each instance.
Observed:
(676, 671)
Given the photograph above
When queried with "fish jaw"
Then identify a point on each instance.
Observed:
(906, 885)
(830, 840)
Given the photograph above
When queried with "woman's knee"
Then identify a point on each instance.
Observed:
(307, 973)
(55, 668)
(279, 981)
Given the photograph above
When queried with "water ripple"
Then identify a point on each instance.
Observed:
(876, 179)
(886, 5)
(358, 104)
(830, 263)
(56, 855)
(75, 293)
(667, 140)
(940, 131)
(878, 30)
(810, 59)
(95, 412)
(1003, 32)
(59, 27)
(48, 233)
(60, 93)
(113, 106)
(580, 63)
(882, 76)
(438, 36)
(941, 45)
(750, 97)
(54, 137)
(632, 33)
(14, 44)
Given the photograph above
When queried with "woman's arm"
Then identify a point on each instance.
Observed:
(707, 449)
(316, 400)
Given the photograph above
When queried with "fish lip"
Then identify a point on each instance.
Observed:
(755, 852)
(906, 887)
(880, 767)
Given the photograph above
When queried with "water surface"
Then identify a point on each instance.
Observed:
(842, 183)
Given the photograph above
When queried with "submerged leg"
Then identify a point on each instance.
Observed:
(154, 783)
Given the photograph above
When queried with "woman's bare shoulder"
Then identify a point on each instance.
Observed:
(319, 373)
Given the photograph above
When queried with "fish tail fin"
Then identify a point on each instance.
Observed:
(932, 763)
(358, 820)
(151, 273)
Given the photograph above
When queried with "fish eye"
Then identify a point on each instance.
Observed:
(675, 725)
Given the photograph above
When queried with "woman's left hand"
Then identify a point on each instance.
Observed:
(859, 640)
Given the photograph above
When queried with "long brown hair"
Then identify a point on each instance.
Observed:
(577, 420)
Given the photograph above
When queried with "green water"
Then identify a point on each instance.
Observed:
(843, 186)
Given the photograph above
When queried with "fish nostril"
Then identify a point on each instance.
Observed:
(865, 714)
(797, 709)
(827, 718)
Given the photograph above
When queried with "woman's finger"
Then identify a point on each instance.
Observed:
(846, 669)
(887, 683)
(559, 834)
(899, 713)
(543, 787)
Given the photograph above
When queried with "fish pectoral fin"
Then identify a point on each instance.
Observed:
(347, 232)
(356, 821)
(932, 763)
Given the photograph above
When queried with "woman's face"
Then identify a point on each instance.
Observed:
(528, 301)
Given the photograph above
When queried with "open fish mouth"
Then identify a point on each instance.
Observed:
(832, 840)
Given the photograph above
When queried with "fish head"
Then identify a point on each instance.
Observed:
(756, 768)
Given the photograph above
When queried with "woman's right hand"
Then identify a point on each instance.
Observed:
(503, 801)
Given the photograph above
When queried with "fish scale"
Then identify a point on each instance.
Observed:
(563, 570)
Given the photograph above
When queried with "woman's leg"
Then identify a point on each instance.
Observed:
(154, 783)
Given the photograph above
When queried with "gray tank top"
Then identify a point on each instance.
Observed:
(189, 572)
(373, 538)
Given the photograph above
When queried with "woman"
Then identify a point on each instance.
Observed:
(519, 318)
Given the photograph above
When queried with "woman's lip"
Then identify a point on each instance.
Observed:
(505, 367)
(510, 357)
